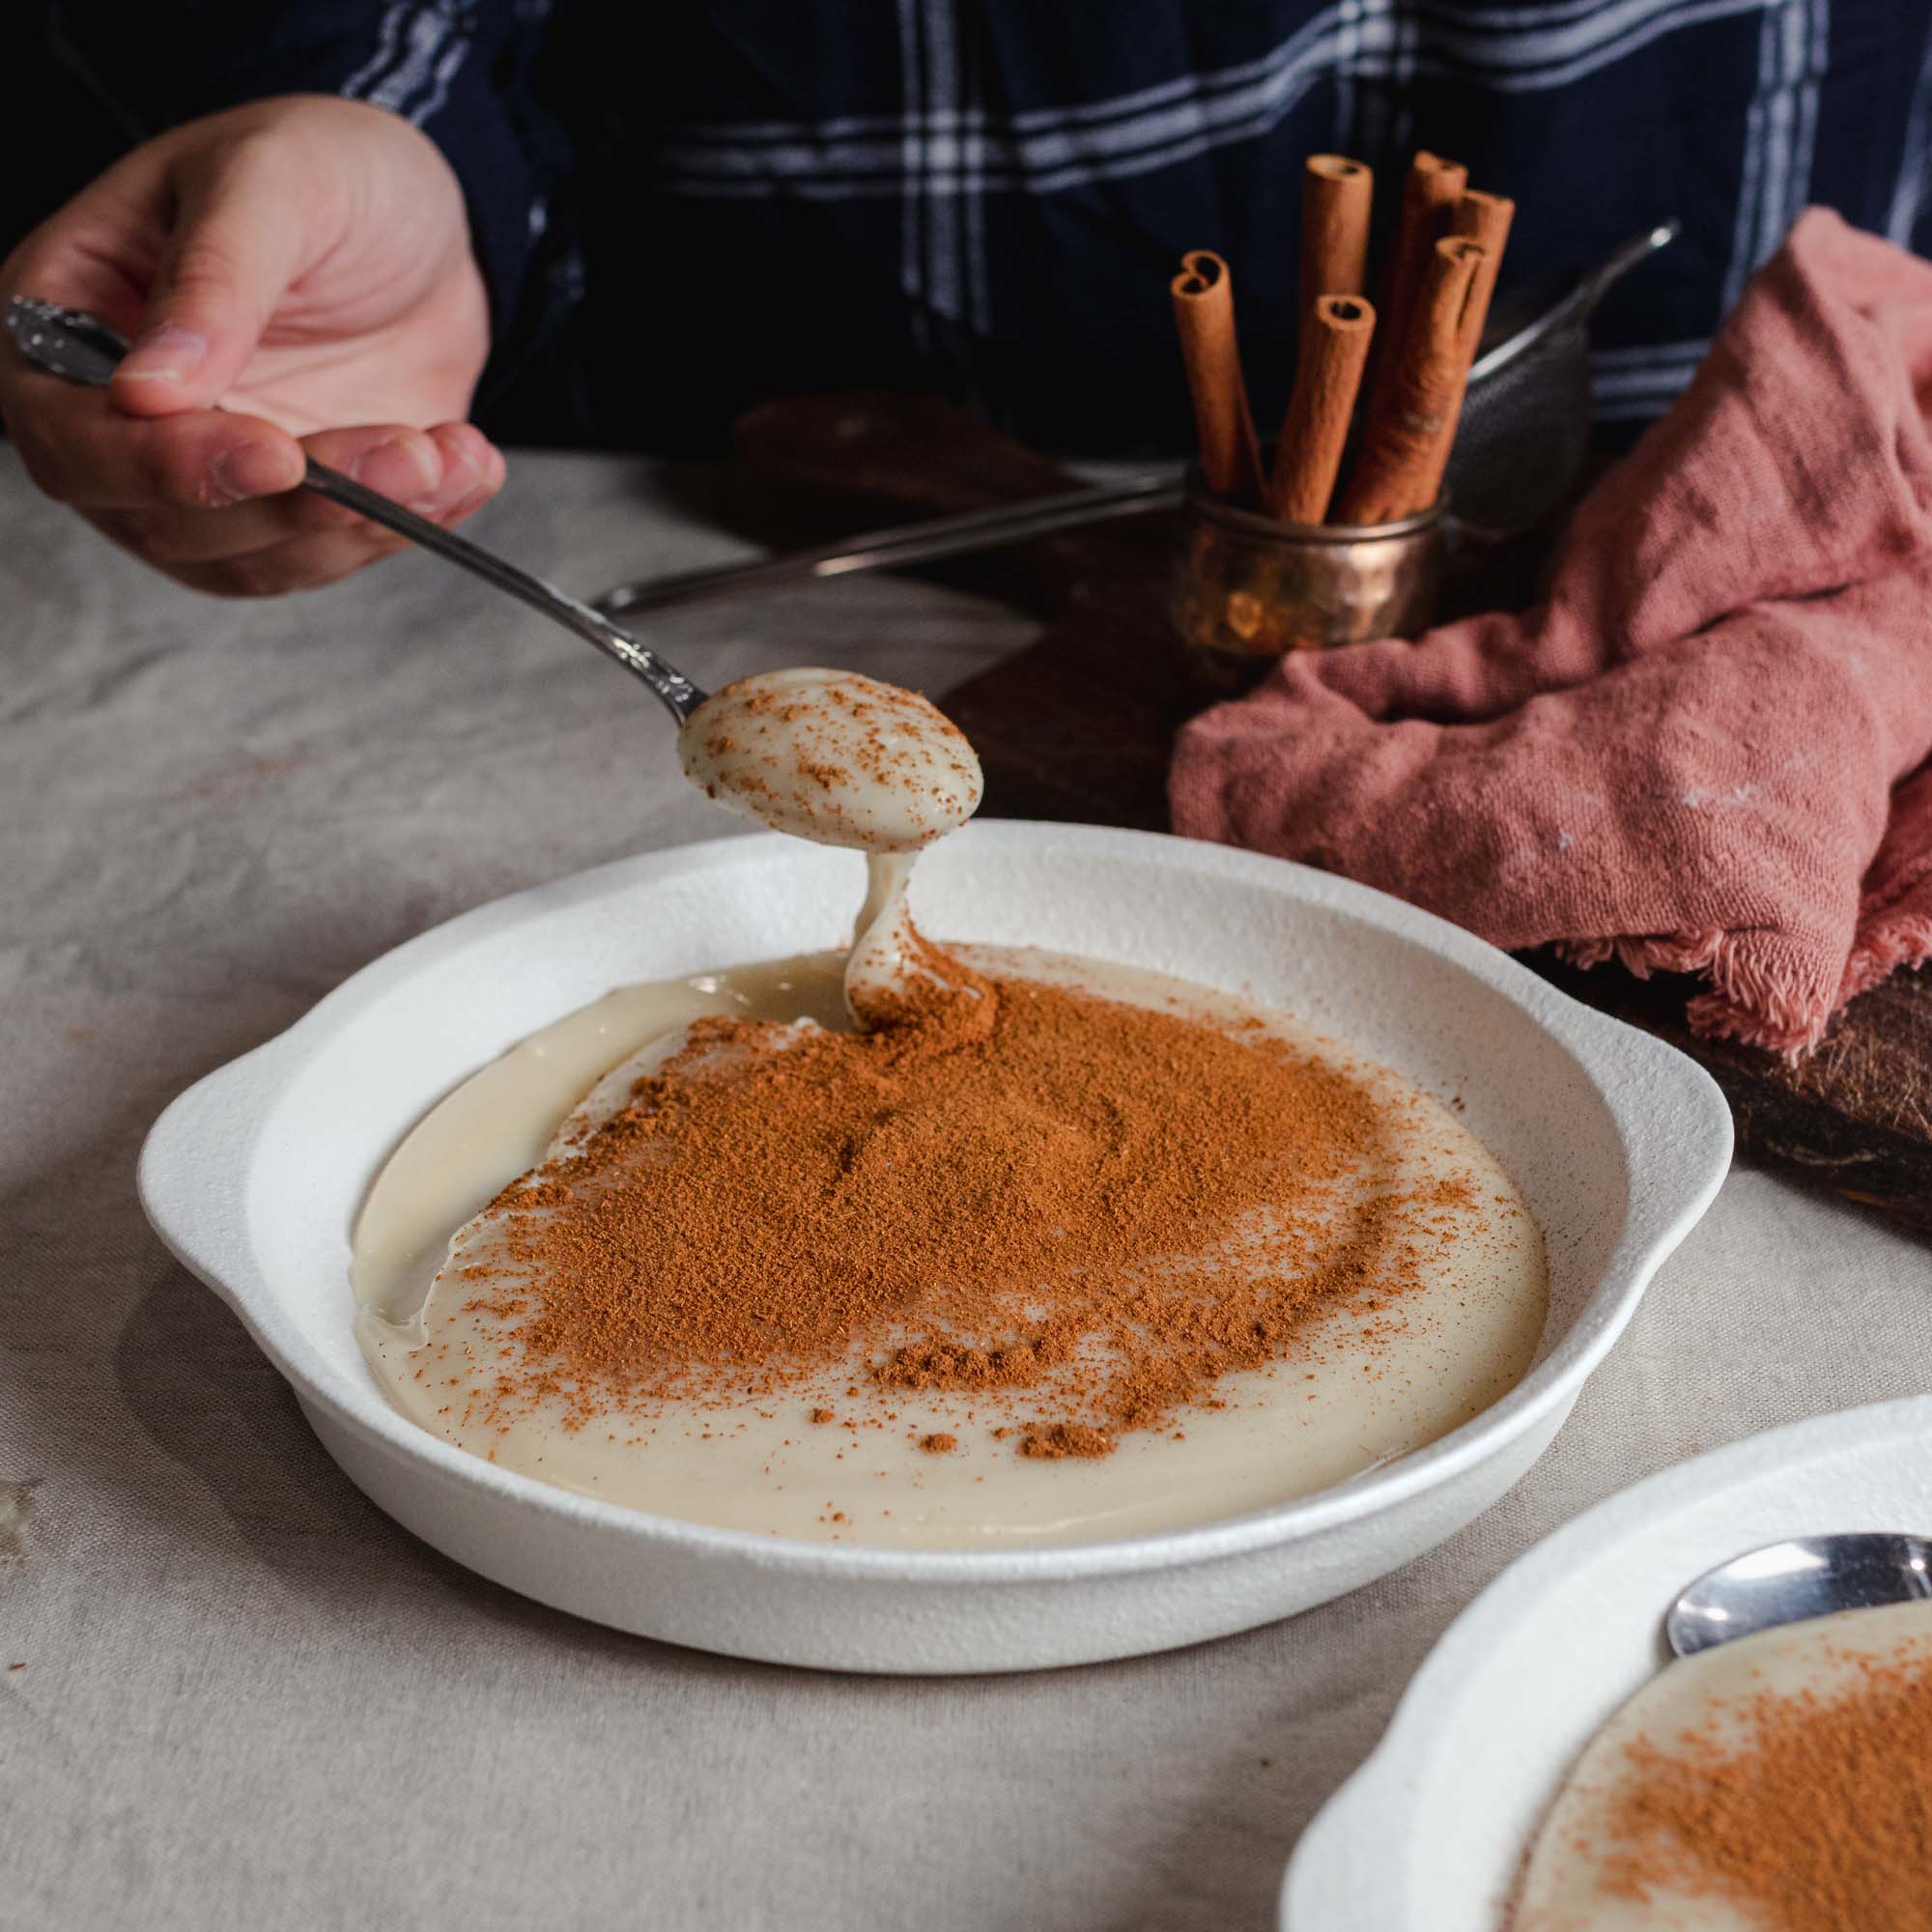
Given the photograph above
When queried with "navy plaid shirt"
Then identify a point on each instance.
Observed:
(684, 208)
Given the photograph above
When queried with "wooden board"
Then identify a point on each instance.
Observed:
(1078, 725)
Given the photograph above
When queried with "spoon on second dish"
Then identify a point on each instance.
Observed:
(1791, 1583)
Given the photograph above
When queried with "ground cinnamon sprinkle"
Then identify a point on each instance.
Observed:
(1065, 1439)
(1083, 1211)
(1820, 1820)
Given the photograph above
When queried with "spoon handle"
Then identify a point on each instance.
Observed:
(80, 348)
(681, 697)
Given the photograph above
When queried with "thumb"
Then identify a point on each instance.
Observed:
(234, 251)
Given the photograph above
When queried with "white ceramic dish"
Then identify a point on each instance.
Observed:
(1428, 1833)
(254, 1178)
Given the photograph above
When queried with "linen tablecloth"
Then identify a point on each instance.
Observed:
(246, 1698)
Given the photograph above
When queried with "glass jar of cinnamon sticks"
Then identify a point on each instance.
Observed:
(1339, 537)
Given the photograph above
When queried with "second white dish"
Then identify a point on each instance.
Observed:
(1430, 1833)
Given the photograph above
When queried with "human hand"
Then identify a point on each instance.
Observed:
(305, 263)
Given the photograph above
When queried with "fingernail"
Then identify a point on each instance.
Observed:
(250, 469)
(407, 471)
(165, 355)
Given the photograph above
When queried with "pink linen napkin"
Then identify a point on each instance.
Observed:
(1699, 754)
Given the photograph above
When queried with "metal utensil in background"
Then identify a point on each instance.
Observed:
(1525, 431)
(1791, 1583)
(1534, 381)
(81, 348)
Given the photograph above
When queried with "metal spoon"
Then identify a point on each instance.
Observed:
(81, 348)
(1789, 1582)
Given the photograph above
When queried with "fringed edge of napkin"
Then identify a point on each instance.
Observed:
(1757, 997)
(1753, 998)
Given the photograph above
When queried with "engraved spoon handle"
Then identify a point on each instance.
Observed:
(80, 348)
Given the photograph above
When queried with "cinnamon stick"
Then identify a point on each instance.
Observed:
(1204, 312)
(1336, 194)
(1413, 416)
(1485, 218)
(1429, 188)
(1335, 336)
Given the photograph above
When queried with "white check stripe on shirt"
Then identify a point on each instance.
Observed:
(1049, 150)
(419, 51)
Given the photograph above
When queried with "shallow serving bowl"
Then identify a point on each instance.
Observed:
(1428, 1834)
(255, 1175)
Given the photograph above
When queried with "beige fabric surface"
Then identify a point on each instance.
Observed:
(250, 1700)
